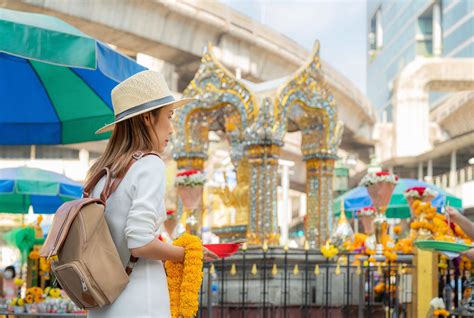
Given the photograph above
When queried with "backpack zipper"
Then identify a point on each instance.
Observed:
(83, 283)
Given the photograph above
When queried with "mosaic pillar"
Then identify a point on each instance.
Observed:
(319, 214)
(263, 220)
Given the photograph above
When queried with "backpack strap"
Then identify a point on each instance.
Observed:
(103, 195)
(112, 185)
(135, 157)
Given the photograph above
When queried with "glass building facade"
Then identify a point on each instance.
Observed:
(400, 31)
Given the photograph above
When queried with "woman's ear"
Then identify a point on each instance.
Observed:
(147, 118)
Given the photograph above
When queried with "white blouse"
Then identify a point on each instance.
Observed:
(134, 214)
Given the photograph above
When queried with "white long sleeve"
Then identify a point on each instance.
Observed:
(147, 212)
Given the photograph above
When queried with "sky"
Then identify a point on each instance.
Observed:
(340, 26)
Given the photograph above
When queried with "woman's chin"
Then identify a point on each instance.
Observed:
(163, 149)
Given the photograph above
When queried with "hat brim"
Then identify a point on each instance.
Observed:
(176, 104)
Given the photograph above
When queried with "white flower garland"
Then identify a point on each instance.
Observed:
(437, 303)
(366, 212)
(416, 195)
(372, 178)
(194, 180)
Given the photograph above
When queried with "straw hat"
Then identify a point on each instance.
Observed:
(141, 93)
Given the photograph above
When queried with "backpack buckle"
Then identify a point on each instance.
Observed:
(137, 155)
(53, 259)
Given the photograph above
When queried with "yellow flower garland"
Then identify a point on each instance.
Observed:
(328, 250)
(184, 279)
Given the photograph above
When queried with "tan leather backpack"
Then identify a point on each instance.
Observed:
(83, 256)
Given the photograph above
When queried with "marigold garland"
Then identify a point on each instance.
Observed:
(184, 279)
(441, 312)
(425, 214)
(397, 229)
(379, 288)
(34, 255)
(405, 246)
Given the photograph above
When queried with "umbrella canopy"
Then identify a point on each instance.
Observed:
(44, 190)
(55, 81)
(359, 198)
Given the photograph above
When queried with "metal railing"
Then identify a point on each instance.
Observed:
(302, 283)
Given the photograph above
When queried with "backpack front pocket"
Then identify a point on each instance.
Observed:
(79, 286)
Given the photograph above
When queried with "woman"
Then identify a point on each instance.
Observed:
(143, 107)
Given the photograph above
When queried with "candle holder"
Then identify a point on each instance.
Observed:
(343, 230)
(380, 227)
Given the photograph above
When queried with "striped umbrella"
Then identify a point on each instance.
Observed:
(44, 190)
(55, 81)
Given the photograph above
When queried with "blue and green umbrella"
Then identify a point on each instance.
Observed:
(55, 81)
(43, 190)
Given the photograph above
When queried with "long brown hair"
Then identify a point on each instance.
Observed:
(128, 137)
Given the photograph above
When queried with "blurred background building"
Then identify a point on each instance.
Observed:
(420, 80)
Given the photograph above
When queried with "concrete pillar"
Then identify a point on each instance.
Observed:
(437, 181)
(174, 82)
(429, 173)
(411, 120)
(452, 172)
(238, 73)
(420, 171)
(379, 29)
(84, 161)
(462, 176)
(32, 152)
(84, 157)
(302, 205)
(437, 31)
